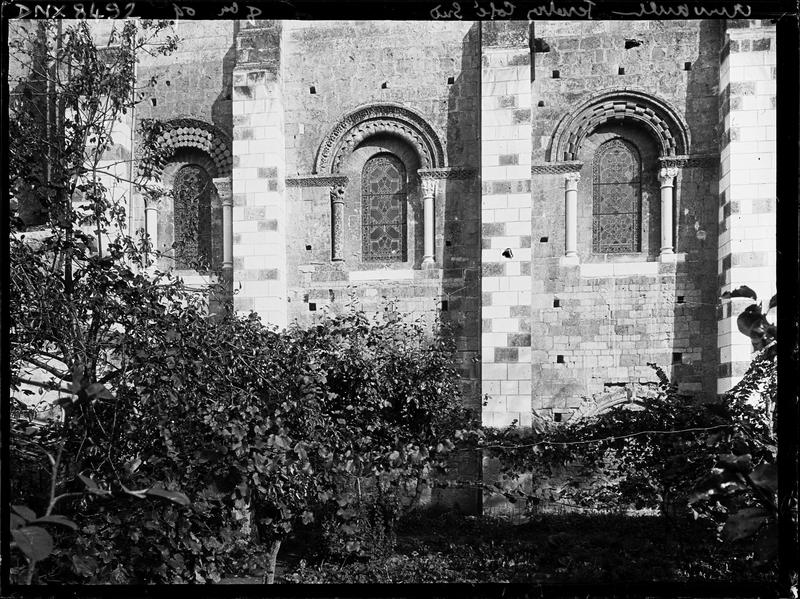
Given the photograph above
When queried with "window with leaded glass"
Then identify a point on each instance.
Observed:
(192, 196)
(383, 209)
(617, 198)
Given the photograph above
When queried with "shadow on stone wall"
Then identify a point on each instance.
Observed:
(460, 254)
(696, 217)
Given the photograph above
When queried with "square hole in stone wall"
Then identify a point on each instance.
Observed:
(680, 299)
(308, 247)
(557, 416)
(559, 359)
(312, 307)
(543, 239)
(677, 357)
(556, 303)
(556, 74)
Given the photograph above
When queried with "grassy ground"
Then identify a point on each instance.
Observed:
(554, 548)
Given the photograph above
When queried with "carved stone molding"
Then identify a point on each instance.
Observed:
(390, 119)
(193, 133)
(453, 172)
(556, 168)
(572, 178)
(316, 180)
(659, 117)
(696, 161)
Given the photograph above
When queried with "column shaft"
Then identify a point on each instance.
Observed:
(428, 191)
(667, 178)
(571, 214)
(337, 223)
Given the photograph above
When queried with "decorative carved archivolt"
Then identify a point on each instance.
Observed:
(665, 123)
(193, 133)
(316, 180)
(367, 121)
(452, 172)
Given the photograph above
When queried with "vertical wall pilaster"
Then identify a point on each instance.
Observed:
(506, 223)
(259, 202)
(747, 252)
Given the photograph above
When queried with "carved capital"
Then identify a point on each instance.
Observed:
(428, 187)
(223, 185)
(667, 175)
(572, 179)
(337, 194)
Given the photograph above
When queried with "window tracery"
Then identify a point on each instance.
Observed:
(383, 209)
(192, 197)
(617, 198)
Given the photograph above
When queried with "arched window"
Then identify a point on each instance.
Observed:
(617, 198)
(383, 209)
(192, 194)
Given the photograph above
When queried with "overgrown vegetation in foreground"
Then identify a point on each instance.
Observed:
(191, 442)
(551, 548)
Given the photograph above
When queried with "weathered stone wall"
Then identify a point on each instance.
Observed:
(747, 184)
(597, 322)
(506, 224)
(431, 68)
(194, 81)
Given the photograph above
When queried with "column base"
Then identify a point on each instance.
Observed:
(669, 256)
(569, 261)
(428, 261)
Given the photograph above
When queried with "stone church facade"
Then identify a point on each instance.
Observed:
(576, 197)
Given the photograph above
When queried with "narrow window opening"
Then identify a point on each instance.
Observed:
(687, 66)
(559, 359)
(312, 90)
(677, 357)
(556, 303)
(444, 305)
(556, 74)
(383, 209)
(154, 102)
(617, 198)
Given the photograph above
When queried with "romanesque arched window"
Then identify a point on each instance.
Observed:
(617, 198)
(383, 209)
(192, 188)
